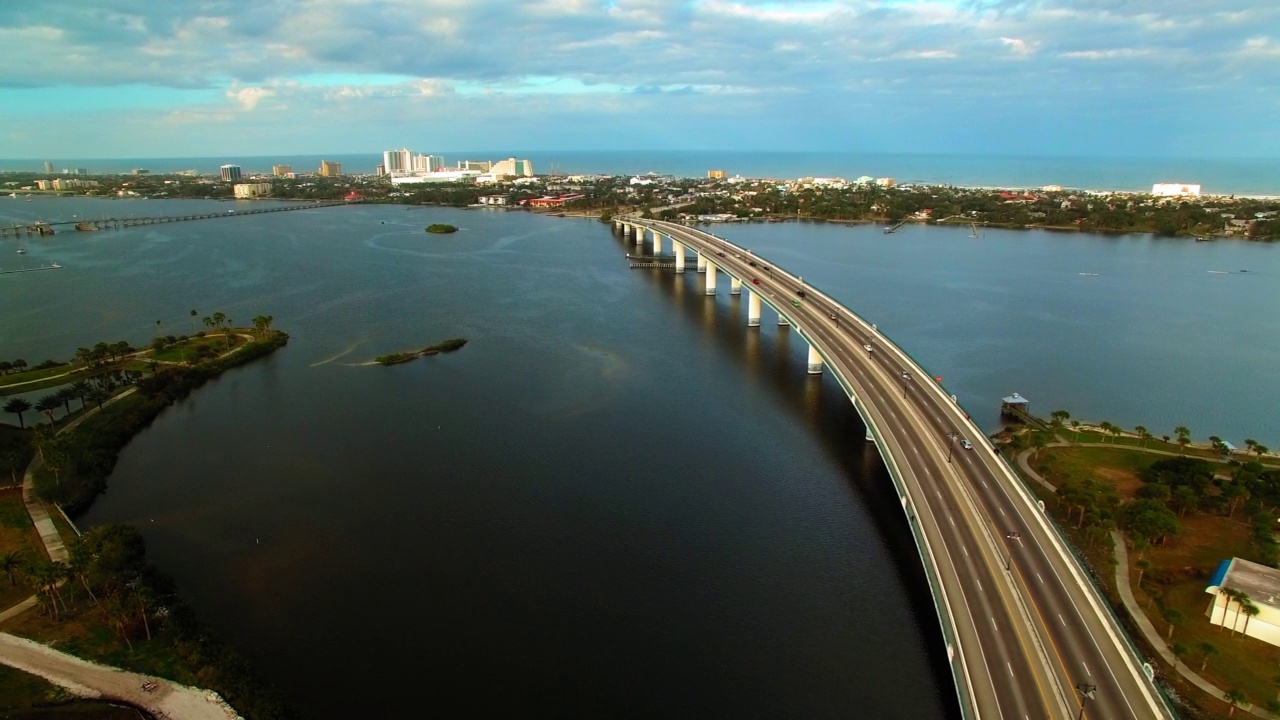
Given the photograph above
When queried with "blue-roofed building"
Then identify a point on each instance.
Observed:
(1261, 587)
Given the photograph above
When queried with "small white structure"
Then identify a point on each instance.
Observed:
(493, 199)
(1261, 585)
(886, 182)
(1175, 190)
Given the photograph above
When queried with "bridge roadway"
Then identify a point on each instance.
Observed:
(1023, 625)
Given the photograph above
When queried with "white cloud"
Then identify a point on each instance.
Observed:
(1111, 54)
(248, 97)
(1018, 46)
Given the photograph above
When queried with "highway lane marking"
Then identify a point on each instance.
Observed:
(979, 585)
(984, 484)
(1010, 673)
(1064, 622)
(951, 520)
(1040, 578)
(1001, 510)
(965, 549)
(1086, 668)
(994, 626)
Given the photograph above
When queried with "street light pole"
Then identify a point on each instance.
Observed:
(952, 444)
(1087, 691)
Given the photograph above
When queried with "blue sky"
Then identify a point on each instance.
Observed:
(136, 78)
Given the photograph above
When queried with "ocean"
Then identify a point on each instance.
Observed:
(1219, 176)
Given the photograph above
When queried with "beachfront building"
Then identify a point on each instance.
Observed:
(330, 169)
(281, 170)
(230, 173)
(427, 163)
(1175, 190)
(483, 166)
(512, 167)
(248, 191)
(495, 200)
(886, 182)
(1239, 583)
(440, 176)
(717, 174)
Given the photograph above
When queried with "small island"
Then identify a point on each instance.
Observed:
(441, 229)
(443, 346)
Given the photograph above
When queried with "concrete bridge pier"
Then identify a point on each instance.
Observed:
(782, 319)
(870, 438)
(711, 278)
(702, 261)
(815, 361)
(657, 243)
(678, 249)
(753, 309)
(735, 286)
(639, 235)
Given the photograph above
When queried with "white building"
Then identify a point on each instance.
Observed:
(245, 191)
(441, 176)
(1262, 586)
(512, 166)
(1175, 190)
(886, 182)
(427, 163)
(397, 161)
(493, 199)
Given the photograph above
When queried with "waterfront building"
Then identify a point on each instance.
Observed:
(330, 169)
(1262, 586)
(865, 180)
(483, 166)
(140, 171)
(886, 182)
(512, 167)
(380, 170)
(1175, 190)
(44, 185)
(73, 184)
(48, 168)
(493, 200)
(717, 174)
(230, 173)
(246, 191)
(281, 170)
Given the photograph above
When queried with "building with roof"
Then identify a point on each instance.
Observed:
(230, 173)
(1175, 190)
(330, 169)
(1260, 586)
(281, 170)
(512, 167)
(717, 174)
(246, 191)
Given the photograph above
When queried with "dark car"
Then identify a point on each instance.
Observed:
(752, 263)
(801, 293)
(720, 254)
(755, 281)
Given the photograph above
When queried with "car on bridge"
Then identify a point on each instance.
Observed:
(868, 348)
(801, 293)
(755, 281)
(966, 444)
(796, 303)
(752, 263)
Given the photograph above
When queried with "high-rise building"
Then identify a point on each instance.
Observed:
(380, 170)
(483, 166)
(330, 169)
(512, 166)
(230, 173)
(717, 174)
(247, 191)
(427, 163)
(281, 170)
(48, 168)
(397, 161)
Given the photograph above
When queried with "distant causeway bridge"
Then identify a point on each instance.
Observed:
(47, 227)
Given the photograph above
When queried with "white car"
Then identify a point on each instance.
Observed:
(868, 348)
(966, 444)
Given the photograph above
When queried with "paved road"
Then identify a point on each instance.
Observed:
(1027, 626)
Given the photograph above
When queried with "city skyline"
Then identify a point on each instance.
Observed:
(105, 78)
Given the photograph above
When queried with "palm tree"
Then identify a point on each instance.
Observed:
(18, 406)
(1261, 449)
(80, 389)
(1143, 434)
(1250, 610)
(66, 396)
(48, 404)
(1234, 699)
(11, 563)
(1207, 649)
(1242, 599)
(218, 319)
(1143, 566)
(119, 614)
(1075, 429)
(194, 327)
(159, 331)
(1174, 617)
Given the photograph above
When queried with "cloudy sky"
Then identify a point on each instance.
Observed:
(160, 78)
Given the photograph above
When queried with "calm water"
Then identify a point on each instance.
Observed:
(1250, 176)
(615, 500)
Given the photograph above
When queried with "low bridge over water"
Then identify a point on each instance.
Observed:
(1027, 634)
(47, 228)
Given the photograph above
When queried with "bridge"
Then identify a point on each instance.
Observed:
(47, 228)
(1027, 634)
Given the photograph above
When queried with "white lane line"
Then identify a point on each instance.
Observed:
(994, 626)
(1040, 578)
(951, 520)
(965, 549)
(938, 493)
(1010, 669)
(1001, 510)
(1086, 668)
(984, 484)
(1064, 622)
(979, 585)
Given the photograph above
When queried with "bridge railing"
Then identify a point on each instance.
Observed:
(924, 549)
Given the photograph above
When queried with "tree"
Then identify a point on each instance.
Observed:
(1075, 429)
(1142, 434)
(18, 406)
(1143, 566)
(11, 562)
(1184, 436)
(1260, 450)
(218, 319)
(262, 324)
(1105, 426)
(1273, 707)
(66, 395)
(159, 330)
(1058, 417)
(1151, 520)
(194, 327)
(80, 389)
(1038, 441)
(1250, 610)
(1178, 650)
(1207, 650)
(1228, 595)
(47, 405)
(1235, 698)
(1174, 617)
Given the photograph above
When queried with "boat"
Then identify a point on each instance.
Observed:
(1088, 274)
(54, 266)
